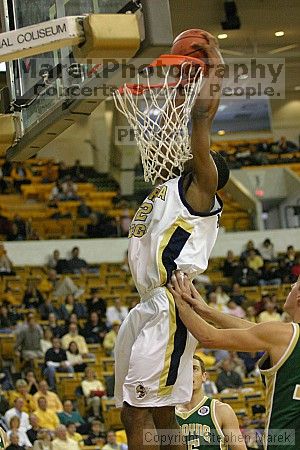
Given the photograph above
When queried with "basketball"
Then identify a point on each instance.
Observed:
(185, 43)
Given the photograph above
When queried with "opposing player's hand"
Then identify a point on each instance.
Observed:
(184, 292)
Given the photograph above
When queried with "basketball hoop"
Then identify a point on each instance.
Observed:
(158, 109)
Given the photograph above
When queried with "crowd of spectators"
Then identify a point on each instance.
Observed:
(65, 179)
(262, 153)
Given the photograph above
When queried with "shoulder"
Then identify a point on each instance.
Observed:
(224, 412)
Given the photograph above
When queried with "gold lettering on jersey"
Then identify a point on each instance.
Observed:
(159, 192)
(198, 429)
(143, 212)
(296, 395)
(137, 230)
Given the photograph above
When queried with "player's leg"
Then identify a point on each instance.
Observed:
(137, 423)
(167, 428)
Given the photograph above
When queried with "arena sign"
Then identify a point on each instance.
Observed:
(41, 38)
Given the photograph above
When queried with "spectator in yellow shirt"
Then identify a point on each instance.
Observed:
(111, 337)
(254, 261)
(22, 392)
(72, 434)
(270, 314)
(92, 390)
(46, 418)
(74, 336)
(53, 401)
(62, 441)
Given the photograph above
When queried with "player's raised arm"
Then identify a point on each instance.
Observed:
(203, 113)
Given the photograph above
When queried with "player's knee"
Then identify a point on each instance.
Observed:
(133, 418)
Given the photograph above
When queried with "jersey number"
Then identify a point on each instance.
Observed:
(296, 395)
(195, 443)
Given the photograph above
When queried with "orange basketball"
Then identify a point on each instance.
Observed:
(184, 44)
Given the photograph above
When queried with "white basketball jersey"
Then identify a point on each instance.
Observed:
(166, 234)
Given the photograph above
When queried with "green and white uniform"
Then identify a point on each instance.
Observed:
(283, 397)
(200, 426)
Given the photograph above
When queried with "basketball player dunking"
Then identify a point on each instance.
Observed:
(175, 228)
(280, 366)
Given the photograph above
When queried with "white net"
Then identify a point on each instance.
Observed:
(159, 116)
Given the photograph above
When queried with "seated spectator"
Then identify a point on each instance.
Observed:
(83, 210)
(96, 303)
(20, 175)
(21, 227)
(9, 297)
(112, 442)
(53, 402)
(266, 250)
(283, 271)
(49, 172)
(28, 342)
(213, 303)
(59, 286)
(295, 270)
(14, 442)
(236, 294)
(74, 336)
(22, 391)
(290, 255)
(101, 226)
(62, 441)
(73, 319)
(43, 441)
(117, 312)
(251, 314)
(73, 434)
(31, 382)
(95, 329)
(230, 264)
(228, 378)
(3, 183)
(235, 310)
(269, 314)
(97, 435)
(72, 415)
(62, 170)
(6, 322)
(75, 358)
(18, 411)
(77, 172)
(5, 223)
(46, 341)
(70, 307)
(76, 264)
(14, 426)
(255, 261)
(13, 234)
(222, 296)
(5, 263)
(285, 146)
(269, 275)
(56, 361)
(4, 406)
(32, 432)
(70, 190)
(244, 275)
(53, 259)
(48, 308)
(92, 390)
(111, 337)
(209, 386)
(250, 360)
(249, 246)
(57, 330)
(32, 296)
(57, 192)
(46, 417)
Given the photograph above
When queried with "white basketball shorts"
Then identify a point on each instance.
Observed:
(154, 355)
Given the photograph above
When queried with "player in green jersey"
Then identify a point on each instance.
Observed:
(280, 365)
(207, 423)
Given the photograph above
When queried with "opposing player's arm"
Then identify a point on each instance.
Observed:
(261, 337)
(230, 426)
(212, 315)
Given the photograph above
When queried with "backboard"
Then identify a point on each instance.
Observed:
(52, 90)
